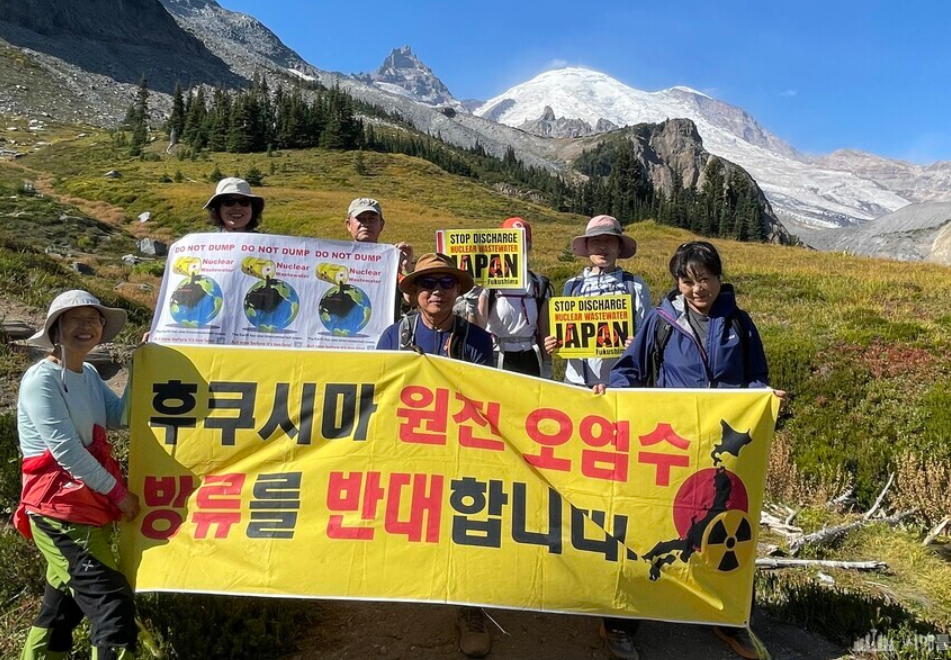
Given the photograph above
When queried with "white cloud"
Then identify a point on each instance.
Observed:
(789, 93)
(556, 64)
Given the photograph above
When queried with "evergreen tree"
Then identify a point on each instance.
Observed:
(137, 118)
(195, 131)
(176, 120)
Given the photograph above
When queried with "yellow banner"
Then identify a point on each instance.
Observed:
(397, 476)
(591, 326)
(494, 257)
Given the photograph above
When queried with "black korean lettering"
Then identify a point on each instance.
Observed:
(520, 534)
(173, 400)
(244, 404)
(469, 498)
(608, 546)
(340, 411)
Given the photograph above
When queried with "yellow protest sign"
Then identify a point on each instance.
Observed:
(397, 476)
(591, 326)
(494, 257)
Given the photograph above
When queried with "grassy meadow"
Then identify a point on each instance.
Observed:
(861, 345)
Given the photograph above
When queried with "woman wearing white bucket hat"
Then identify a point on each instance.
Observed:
(233, 207)
(73, 488)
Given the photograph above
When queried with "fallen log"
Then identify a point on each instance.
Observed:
(829, 534)
(772, 563)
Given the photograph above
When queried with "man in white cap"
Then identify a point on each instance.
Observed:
(365, 224)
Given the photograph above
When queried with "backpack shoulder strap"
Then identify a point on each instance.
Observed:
(408, 331)
(662, 332)
(458, 338)
(543, 289)
(743, 335)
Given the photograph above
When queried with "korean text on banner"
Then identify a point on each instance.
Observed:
(245, 289)
(397, 476)
(494, 257)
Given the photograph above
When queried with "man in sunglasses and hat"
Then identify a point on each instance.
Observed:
(432, 328)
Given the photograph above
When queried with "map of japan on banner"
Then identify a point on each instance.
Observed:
(591, 326)
(404, 477)
(494, 257)
(282, 291)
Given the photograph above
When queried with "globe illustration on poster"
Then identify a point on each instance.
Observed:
(345, 310)
(271, 305)
(196, 301)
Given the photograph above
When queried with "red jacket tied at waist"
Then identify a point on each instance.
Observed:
(51, 491)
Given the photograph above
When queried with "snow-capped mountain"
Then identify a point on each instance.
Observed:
(405, 74)
(798, 190)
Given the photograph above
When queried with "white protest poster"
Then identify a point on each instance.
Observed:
(245, 289)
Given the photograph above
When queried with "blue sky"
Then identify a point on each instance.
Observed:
(869, 75)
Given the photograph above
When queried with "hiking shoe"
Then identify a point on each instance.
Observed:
(620, 642)
(739, 640)
(474, 638)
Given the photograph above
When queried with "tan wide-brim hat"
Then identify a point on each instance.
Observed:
(115, 318)
(436, 263)
(604, 225)
(234, 187)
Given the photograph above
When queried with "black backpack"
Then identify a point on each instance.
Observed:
(542, 290)
(662, 333)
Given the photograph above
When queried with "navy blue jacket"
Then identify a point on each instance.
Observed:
(685, 363)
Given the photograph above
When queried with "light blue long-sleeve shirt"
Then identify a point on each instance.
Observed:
(61, 419)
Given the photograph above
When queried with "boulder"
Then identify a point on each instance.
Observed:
(153, 247)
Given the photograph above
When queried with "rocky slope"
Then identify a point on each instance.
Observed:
(917, 232)
(118, 39)
(917, 183)
(550, 126)
(674, 150)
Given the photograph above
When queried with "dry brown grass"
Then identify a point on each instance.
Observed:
(924, 483)
(785, 482)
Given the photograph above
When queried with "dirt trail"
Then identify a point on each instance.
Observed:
(350, 630)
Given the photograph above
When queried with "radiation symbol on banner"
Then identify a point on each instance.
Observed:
(728, 541)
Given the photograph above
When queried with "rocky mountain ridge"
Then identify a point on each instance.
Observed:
(549, 126)
(405, 74)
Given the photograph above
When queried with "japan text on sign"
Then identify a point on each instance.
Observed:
(496, 258)
(591, 326)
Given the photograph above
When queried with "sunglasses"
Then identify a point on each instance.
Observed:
(430, 283)
(239, 201)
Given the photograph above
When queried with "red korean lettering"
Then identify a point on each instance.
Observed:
(344, 493)
(423, 408)
(560, 435)
(611, 463)
(480, 414)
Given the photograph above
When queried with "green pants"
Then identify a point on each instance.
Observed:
(81, 580)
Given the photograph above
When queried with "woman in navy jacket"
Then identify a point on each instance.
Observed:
(707, 340)
(697, 338)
